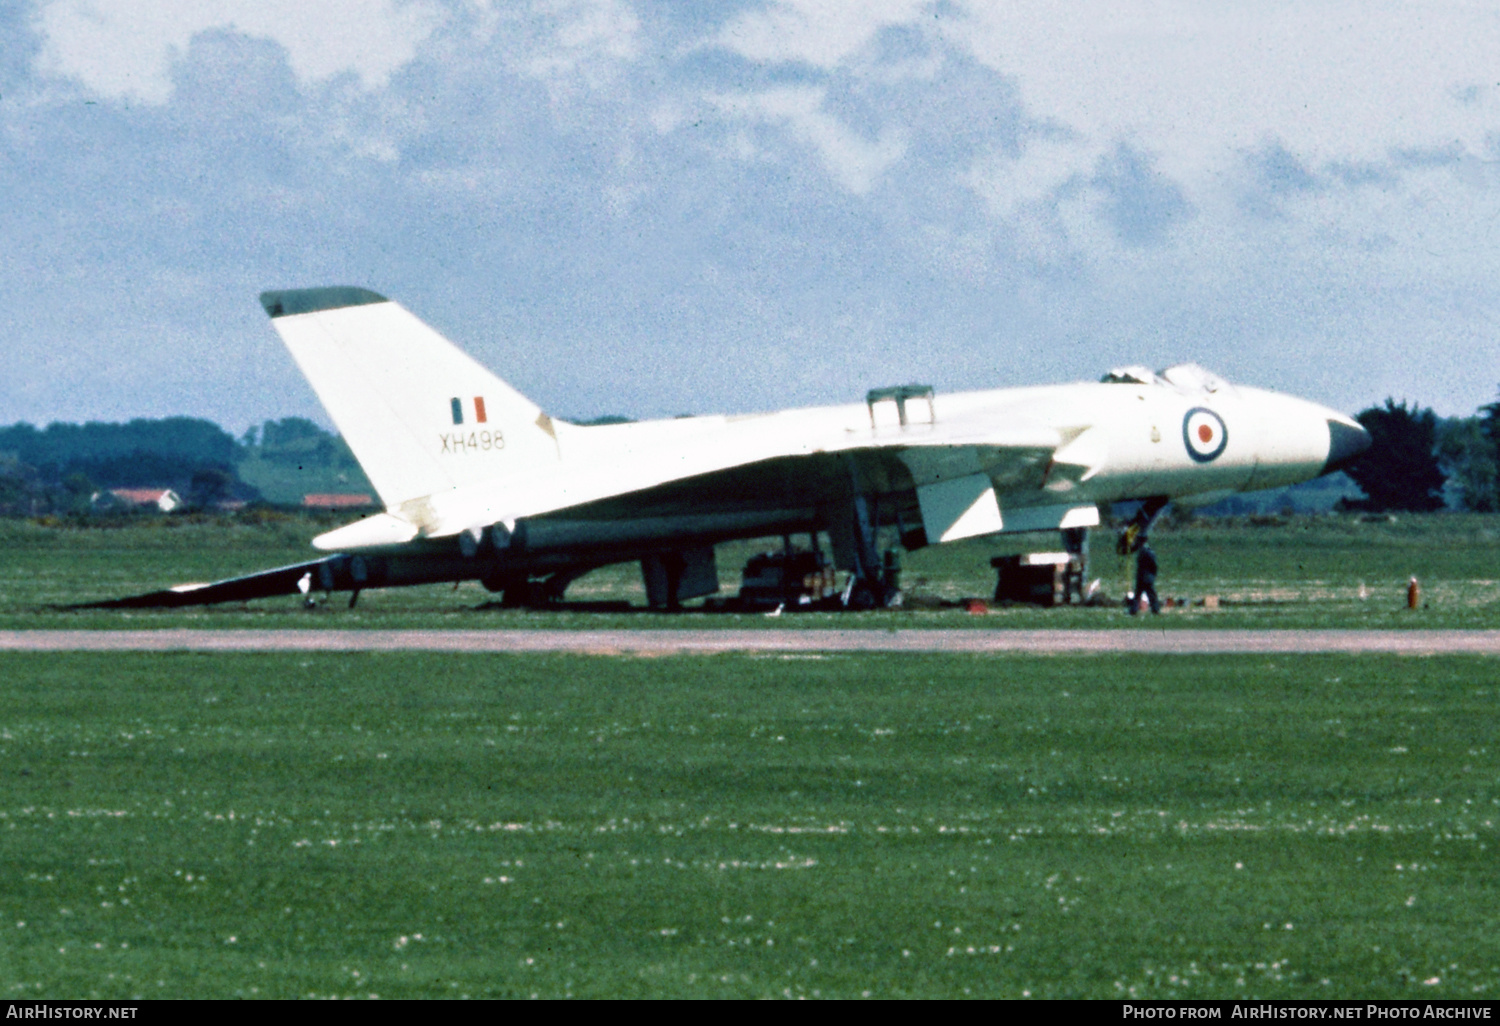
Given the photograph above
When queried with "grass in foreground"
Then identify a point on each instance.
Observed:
(437, 825)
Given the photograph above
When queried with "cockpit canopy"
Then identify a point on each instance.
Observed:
(1186, 377)
(1131, 376)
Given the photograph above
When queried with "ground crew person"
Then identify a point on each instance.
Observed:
(1145, 578)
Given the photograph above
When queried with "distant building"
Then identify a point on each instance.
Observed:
(163, 499)
(337, 500)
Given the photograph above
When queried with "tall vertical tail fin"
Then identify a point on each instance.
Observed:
(420, 415)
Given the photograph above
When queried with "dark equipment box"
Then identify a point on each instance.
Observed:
(1036, 578)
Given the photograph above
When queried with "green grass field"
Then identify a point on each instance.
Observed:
(1323, 571)
(443, 825)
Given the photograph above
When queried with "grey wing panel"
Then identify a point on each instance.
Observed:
(815, 479)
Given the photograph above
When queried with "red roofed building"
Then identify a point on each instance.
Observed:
(163, 499)
(337, 500)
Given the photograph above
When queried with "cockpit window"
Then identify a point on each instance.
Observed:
(1192, 378)
(1130, 376)
(1185, 377)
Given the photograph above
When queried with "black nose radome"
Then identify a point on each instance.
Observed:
(1345, 445)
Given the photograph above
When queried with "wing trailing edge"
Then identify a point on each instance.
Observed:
(265, 584)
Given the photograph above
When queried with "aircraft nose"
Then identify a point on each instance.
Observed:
(1347, 441)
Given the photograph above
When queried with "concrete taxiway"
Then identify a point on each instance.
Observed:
(667, 642)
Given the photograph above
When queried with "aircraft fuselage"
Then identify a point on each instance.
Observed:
(1045, 450)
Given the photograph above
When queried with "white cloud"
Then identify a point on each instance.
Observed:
(854, 162)
(1284, 191)
(124, 49)
(583, 38)
(1200, 84)
(1011, 185)
(823, 33)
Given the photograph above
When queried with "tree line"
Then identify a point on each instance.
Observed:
(60, 468)
(1419, 462)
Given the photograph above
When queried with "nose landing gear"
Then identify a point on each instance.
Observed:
(1135, 532)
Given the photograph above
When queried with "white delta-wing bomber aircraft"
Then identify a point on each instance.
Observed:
(478, 483)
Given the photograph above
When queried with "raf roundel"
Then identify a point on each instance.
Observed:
(1204, 434)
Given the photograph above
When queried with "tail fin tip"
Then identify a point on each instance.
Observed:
(286, 302)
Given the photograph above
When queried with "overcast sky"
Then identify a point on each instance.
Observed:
(660, 208)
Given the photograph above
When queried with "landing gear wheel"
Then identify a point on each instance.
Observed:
(862, 597)
(872, 595)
